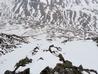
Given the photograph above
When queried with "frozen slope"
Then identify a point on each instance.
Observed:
(79, 52)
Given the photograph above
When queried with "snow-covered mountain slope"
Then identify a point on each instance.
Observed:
(78, 17)
(47, 22)
(79, 52)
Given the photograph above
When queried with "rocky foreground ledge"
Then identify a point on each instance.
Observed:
(66, 67)
(8, 42)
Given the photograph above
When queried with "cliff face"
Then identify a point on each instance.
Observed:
(77, 18)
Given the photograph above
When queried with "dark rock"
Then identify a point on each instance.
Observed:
(8, 72)
(47, 70)
(26, 71)
(22, 63)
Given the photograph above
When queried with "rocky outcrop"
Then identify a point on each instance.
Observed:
(95, 39)
(22, 63)
(26, 71)
(66, 68)
(63, 67)
(47, 70)
(10, 41)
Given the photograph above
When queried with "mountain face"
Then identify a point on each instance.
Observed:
(59, 18)
(29, 6)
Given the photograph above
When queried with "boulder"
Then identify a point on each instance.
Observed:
(26, 71)
(8, 72)
(47, 70)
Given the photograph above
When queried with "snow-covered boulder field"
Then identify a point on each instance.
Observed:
(82, 52)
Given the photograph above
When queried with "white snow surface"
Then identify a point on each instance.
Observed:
(79, 52)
